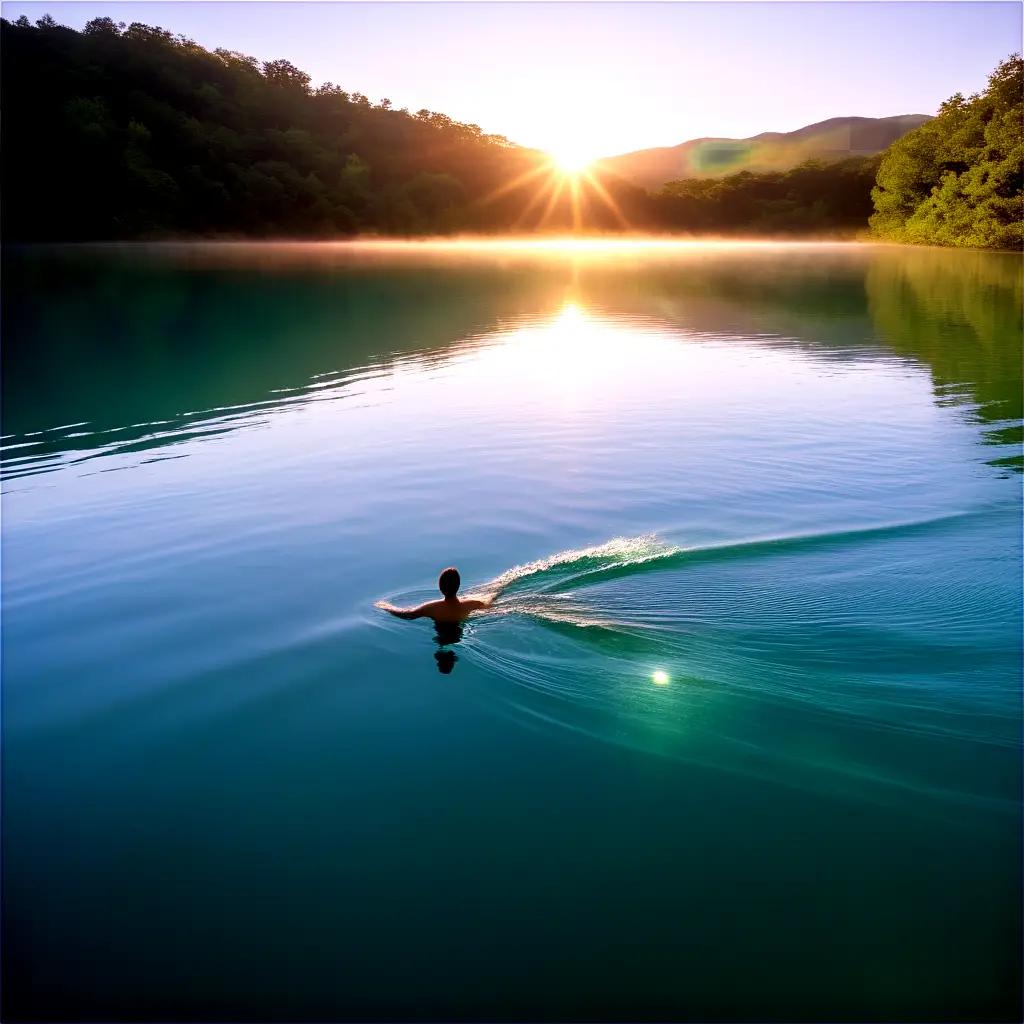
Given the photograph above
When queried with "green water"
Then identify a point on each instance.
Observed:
(740, 741)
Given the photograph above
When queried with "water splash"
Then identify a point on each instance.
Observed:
(552, 587)
(574, 562)
(771, 648)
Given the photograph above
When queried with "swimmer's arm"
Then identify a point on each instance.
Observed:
(404, 613)
(477, 604)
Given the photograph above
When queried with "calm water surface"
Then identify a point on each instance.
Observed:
(742, 739)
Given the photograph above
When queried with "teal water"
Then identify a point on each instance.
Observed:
(741, 740)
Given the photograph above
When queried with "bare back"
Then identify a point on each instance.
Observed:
(448, 609)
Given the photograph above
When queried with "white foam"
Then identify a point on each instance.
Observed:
(617, 551)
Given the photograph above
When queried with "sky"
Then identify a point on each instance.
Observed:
(607, 78)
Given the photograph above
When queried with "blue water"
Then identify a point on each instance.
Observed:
(739, 740)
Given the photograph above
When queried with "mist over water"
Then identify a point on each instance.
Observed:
(740, 739)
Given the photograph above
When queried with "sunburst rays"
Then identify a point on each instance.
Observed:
(547, 184)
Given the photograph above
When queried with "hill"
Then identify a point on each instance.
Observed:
(132, 132)
(124, 132)
(831, 140)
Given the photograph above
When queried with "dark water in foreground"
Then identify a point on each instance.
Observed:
(743, 740)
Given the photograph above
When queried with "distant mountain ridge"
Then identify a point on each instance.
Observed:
(833, 139)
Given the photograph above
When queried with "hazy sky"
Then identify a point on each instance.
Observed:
(610, 77)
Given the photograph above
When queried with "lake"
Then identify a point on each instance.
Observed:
(740, 739)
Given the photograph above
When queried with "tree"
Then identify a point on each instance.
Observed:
(119, 132)
(103, 26)
(285, 74)
(959, 179)
(815, 197)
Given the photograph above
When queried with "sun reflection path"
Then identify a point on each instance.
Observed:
(575, 359)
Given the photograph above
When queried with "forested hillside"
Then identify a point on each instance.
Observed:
(959, 179)
(124, 132)
(813, 198)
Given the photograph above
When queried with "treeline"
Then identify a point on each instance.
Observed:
(814, 198)
(129, 131)
(132, 132)
(959, 179)
(121, 132)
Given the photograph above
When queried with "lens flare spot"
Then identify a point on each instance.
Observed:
(660, 677)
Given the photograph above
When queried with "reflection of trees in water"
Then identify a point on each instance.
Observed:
(814, 298)
(145, 338)
(133, 336)
(959, 312)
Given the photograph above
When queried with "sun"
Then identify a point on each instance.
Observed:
(568, 175)
(570, 160)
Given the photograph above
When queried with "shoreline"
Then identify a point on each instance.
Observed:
(493, 242)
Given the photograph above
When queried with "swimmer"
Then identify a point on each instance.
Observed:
(451, 609)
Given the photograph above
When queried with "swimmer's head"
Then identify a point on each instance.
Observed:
(449, 582)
